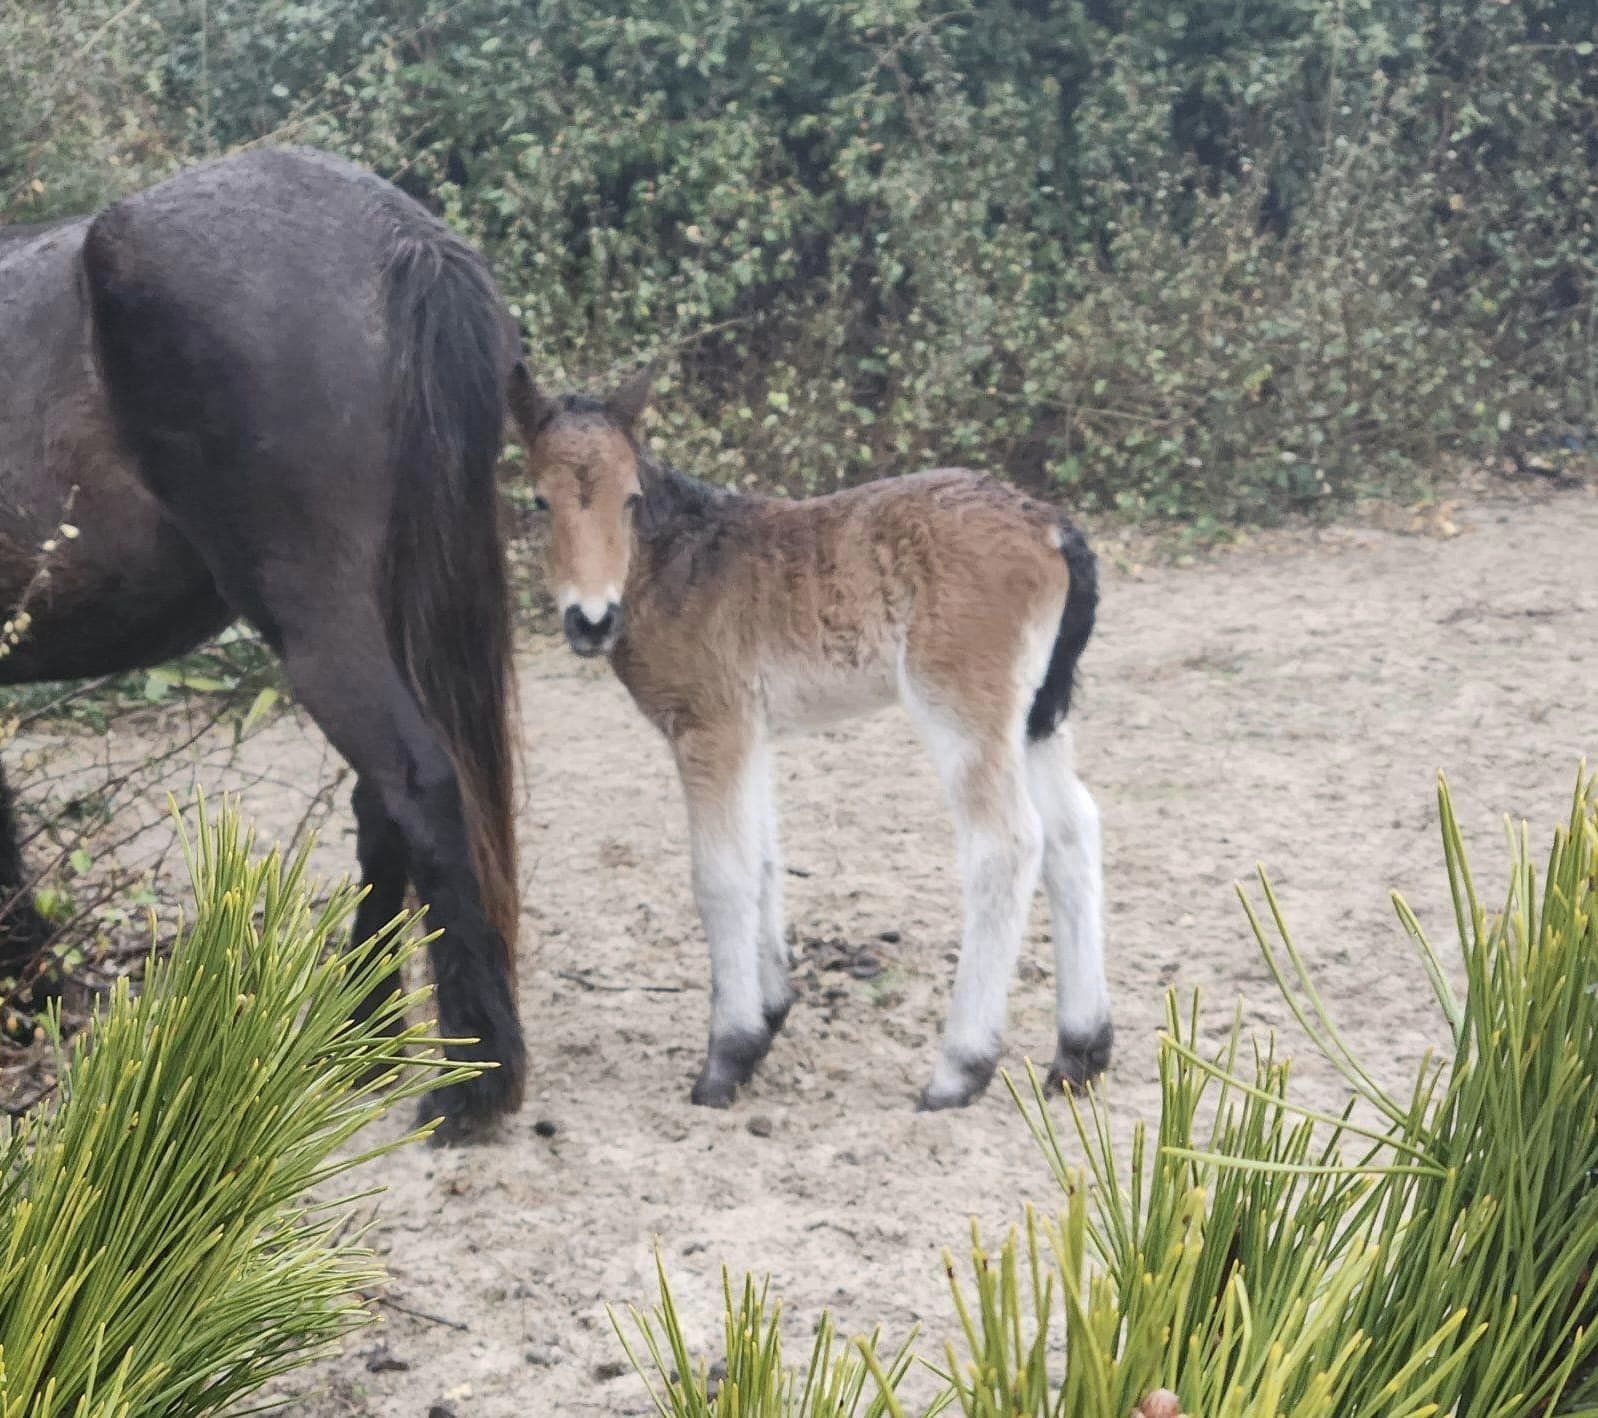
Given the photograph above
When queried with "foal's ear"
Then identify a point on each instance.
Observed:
(529, 405)
(631, 397)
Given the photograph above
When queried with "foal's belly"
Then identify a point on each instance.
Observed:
(801, 696)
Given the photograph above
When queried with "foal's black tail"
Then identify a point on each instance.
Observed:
(444, 584)
(1053, 700)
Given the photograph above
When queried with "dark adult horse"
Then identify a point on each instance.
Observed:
(273, 387)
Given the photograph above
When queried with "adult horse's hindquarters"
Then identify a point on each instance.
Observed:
(273, 387)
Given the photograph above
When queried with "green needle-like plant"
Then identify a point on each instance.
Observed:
(841, 1380)
(158, 1253)
(1501, 1221)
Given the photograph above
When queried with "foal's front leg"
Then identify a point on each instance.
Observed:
(724, 781)
(776, 960)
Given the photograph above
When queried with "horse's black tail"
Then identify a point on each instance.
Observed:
(1053, 700)
(444, 588)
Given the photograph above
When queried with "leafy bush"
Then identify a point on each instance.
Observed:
(157, 1253)
(1201, 262)
(1281, 1262)
(79, 122)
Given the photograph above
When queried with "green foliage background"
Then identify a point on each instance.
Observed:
(1210, 261)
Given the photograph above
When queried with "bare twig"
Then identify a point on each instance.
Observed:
(577, 978)
(391, 1304)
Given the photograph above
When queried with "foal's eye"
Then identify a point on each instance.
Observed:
(540, 503)
(634, 502)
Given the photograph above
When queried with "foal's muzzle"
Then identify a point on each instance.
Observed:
(592, 637)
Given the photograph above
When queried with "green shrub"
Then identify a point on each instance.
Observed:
(1280, 1262)
(79, 120)
(157, 1251)
(1189, 261)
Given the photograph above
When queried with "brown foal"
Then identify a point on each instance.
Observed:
(733, 619)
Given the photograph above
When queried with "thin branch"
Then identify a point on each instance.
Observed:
(391, 1304)
(580, 979)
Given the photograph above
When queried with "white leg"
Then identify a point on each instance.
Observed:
(1000, 842)
(776, 991)
(723, 779)
(1073, 877)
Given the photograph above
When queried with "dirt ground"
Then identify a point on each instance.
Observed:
(1286, 703)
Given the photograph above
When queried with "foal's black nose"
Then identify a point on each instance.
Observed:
(598, 629)
(588, 637)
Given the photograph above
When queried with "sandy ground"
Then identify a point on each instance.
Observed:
(1289, 703)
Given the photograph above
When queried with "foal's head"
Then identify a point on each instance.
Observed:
(587, 473)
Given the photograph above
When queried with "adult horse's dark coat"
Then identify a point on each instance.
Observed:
(273, 387)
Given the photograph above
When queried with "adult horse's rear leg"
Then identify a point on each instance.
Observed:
(380, 849)
(409, 806)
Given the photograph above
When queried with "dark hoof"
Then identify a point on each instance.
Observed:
(1077, 1062)
(713, 1092)
(472, 1109)
(732, 1061)
(466, 1131)
(969, 1083)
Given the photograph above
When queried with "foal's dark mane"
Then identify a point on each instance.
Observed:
(686, 527)
(578, 406)
(676, 503)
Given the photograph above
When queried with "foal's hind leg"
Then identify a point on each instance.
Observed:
(723, 774)
(1073, 877)
(1000, 846)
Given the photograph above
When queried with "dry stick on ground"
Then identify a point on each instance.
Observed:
(577, 978)
(392, 1304)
